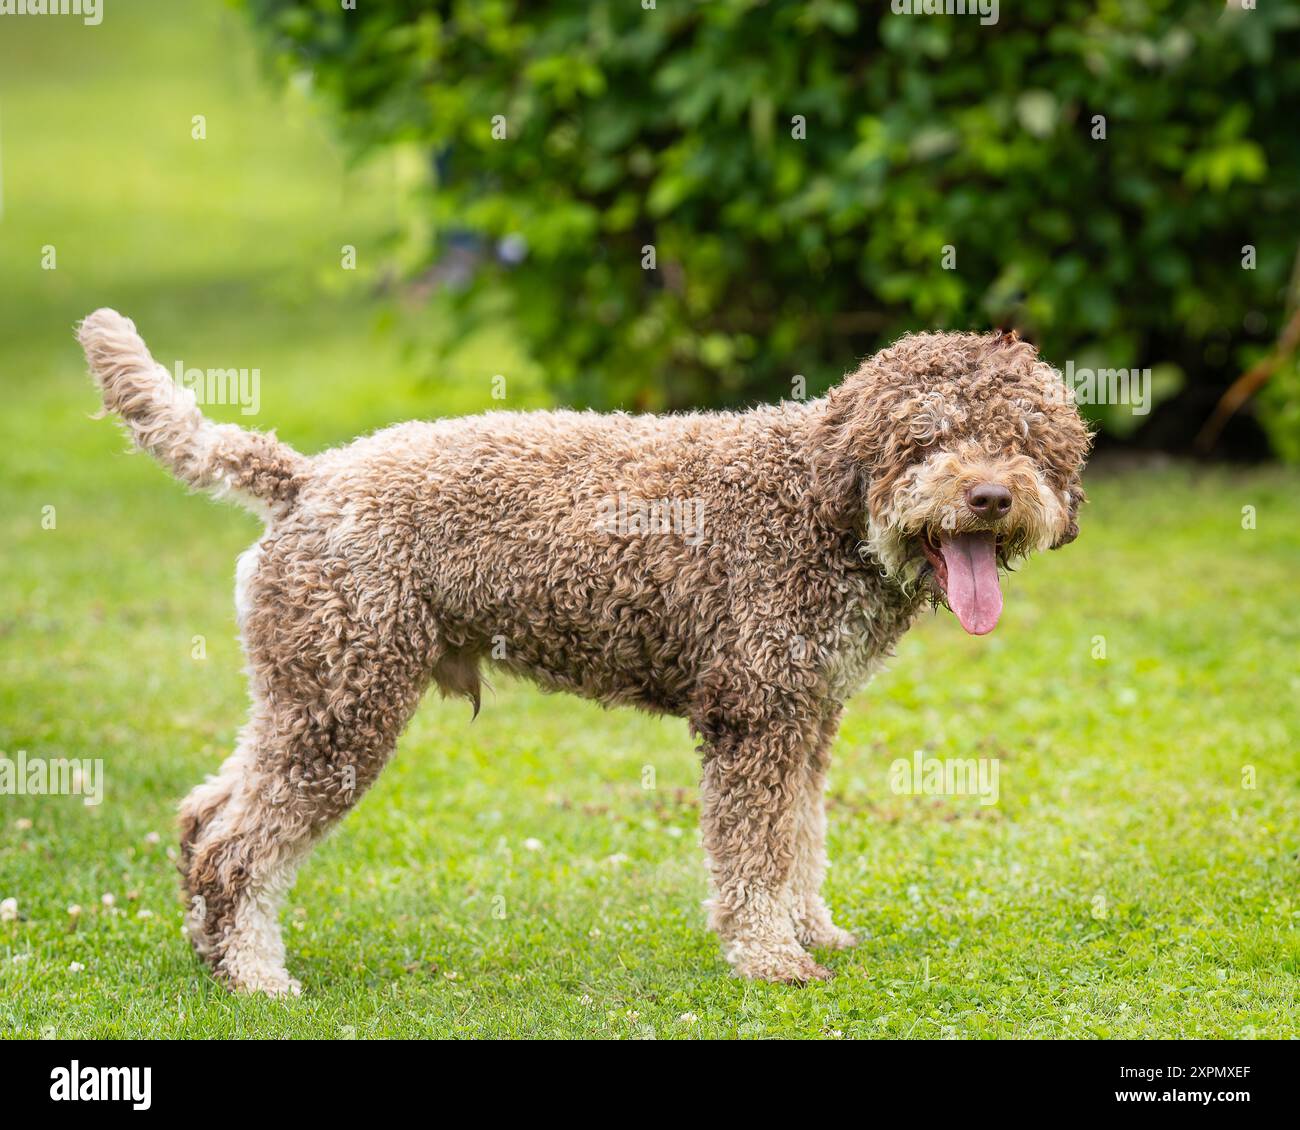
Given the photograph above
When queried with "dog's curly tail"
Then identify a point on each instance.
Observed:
(164, 419)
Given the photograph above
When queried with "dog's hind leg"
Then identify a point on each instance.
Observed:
(205, 805)
(303, 764)
(240, 862)
(333, 686)
(812, 918)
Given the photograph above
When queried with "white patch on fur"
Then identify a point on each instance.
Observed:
(856, 656)
(888, 539)
(254, 959)
(812, 918)
(245, 567)
(1056, 511)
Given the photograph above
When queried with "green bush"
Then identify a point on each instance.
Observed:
(781, 250)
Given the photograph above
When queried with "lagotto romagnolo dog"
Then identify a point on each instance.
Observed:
(819, 530)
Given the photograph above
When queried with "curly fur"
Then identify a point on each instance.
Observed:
(411, 556)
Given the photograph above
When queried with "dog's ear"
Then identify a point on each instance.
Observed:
(839, 473)
(865, 439)
(1077, 498)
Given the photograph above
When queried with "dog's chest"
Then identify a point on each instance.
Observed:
(863, 637)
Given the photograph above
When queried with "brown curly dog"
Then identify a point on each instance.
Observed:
(744, 570)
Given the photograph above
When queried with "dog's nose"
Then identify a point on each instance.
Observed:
(989, 500)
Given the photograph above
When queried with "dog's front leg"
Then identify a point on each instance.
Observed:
(812, 918)
(751, 786)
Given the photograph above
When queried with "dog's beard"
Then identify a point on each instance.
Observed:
(928, 540)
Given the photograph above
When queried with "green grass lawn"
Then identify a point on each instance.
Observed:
(512, 877)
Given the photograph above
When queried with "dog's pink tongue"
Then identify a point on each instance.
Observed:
(973, 590)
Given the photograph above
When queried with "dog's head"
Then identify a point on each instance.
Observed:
(954, 454)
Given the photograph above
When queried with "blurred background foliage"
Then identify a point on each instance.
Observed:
(801, 170)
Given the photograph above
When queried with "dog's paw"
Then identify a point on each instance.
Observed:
(815, 929)
(828, 937)
(782, 968)
(278, 986)
(292, 988)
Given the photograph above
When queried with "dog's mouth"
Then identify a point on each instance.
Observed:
(965, 567)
